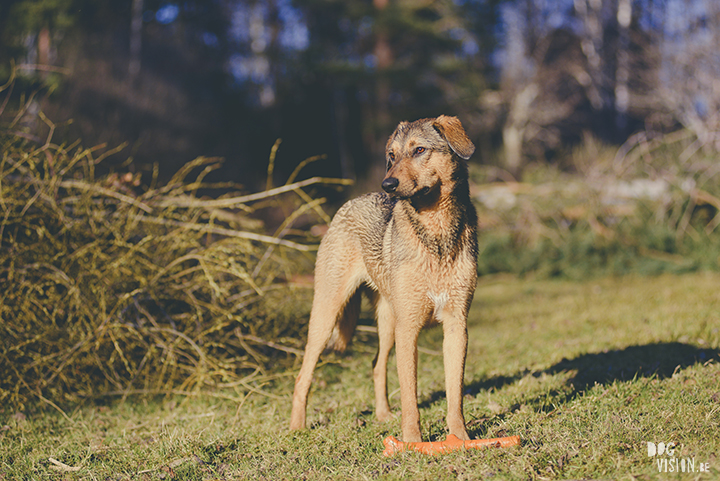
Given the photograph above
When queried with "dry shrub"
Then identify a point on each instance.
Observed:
(105, 289)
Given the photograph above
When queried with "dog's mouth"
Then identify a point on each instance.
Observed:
(418, 194)
(421, 196)
(422, 192)
(425, 197)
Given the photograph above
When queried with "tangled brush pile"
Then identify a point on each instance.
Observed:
(108, 290)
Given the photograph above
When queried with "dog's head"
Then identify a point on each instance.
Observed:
(423, 155)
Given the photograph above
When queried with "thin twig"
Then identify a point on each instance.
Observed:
(60, 466)
(76, 184)
(47, 401)
(234, 201)
(301, 165)
(271, 163)
(43, 67)
(274, 345)
(228, 232)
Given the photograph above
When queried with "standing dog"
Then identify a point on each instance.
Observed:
(415, 247)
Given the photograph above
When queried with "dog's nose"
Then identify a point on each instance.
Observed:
(390, 184)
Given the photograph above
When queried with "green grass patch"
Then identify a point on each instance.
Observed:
(587, 373)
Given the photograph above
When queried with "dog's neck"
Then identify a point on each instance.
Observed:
(441, 216)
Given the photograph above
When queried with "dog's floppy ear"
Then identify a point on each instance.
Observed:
(452, 131)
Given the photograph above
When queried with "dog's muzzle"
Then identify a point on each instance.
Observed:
(390, 184)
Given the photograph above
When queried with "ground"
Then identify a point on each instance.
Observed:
(590, 374)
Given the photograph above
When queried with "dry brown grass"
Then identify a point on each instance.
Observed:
(109, 288)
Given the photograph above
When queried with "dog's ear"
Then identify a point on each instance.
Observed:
(452, 131)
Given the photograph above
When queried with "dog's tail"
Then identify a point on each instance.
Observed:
(345, 325)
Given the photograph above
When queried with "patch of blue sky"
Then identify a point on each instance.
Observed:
(167, 13)
(210, 39)
(294, 34)
(254, 69)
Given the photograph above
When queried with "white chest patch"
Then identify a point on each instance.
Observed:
(439, 299)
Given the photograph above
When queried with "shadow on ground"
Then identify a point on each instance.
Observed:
(661, 360)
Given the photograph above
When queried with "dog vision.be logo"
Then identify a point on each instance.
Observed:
(664, 454)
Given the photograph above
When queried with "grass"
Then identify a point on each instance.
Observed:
(587, 373)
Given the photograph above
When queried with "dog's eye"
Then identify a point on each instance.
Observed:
(419, 150)
(392, 156)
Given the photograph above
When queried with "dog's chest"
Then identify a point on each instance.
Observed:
(439, 301)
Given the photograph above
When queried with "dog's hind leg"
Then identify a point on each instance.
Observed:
(345, 326)
(337, 299)
(386, 339)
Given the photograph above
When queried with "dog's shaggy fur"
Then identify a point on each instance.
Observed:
(415, 247)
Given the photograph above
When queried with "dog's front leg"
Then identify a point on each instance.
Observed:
(406, 337)
(455, 341)
(386, 339)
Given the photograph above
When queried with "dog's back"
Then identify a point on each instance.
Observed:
(366, 218)
(353, 245)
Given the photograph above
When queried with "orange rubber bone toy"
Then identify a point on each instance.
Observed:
(451, 443)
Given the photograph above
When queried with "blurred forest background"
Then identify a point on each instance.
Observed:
(530, 79)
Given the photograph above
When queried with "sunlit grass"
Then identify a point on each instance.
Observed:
(586, 373)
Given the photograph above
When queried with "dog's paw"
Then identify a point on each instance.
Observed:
(384, 416)
(462, 435)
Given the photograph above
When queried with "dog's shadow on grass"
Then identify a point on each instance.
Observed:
(661, 360)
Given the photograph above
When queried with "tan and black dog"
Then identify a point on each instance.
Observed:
(414, 247)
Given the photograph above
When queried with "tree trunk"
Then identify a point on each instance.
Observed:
(589, 12)
(43, 50)
(135, 41)
(384, 59)
(622, 72)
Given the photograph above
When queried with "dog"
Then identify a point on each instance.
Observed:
(413, 248)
